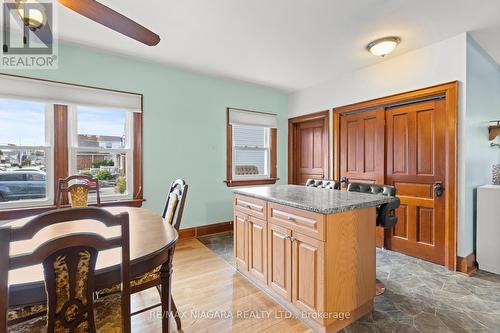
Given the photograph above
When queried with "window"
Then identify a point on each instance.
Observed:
(251, 148)
(49, 131)
(102, 148)
(25, 153)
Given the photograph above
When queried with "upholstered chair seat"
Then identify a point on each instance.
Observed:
(323, 183)
(107, 316)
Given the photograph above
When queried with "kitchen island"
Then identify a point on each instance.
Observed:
(311, 249)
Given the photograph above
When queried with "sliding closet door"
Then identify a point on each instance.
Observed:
(362, 146)
(362, 151)
(416, 167)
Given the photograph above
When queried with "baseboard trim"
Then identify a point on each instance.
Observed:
(467, 265)
(205, 230)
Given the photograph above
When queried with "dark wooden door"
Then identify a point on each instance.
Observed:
(416, 161)
(362, 151)
(311, 153)
(362, 147)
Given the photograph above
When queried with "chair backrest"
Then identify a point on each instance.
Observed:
(78, 192)
(385, 213)
(323, 183)
(69, 266)
(387, 190)
(174, 205)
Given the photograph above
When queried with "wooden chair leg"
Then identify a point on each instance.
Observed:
(166, 292)
(174, 310)
(176, 315)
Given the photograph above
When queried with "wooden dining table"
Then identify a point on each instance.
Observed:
(151, 243)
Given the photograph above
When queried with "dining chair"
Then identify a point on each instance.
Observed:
(69, 272)
(385, 213)
(323, 183)
(172, 214)
(78, 192)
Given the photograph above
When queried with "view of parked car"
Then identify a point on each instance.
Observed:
(22, 184)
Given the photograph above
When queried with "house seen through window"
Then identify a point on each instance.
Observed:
(25, 150)
(102, 148)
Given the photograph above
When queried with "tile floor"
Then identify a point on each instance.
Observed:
(420, 296)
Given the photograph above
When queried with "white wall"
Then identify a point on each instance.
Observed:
(435, 64)
(438, 63)
(483, 105)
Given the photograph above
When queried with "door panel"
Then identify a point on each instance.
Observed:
(415, 162)
(362, 150)
(280, 260)
(362, 146)
(240, 246)
(257, 249)
(307, 270)
(311, 155)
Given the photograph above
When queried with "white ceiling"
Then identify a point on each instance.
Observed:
(285, 44)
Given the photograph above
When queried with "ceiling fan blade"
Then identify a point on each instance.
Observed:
(112, 19)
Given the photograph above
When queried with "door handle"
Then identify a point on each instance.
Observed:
(438, 189)
(344, 181)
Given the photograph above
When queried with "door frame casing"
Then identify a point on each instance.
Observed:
(292, 145)
(450, 92)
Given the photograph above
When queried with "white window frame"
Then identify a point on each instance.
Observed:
(266, 148)
(73, 150)
(48, 150)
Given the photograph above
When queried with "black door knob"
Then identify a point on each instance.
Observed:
(438, 189)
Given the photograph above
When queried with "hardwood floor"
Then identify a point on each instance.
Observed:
(208, 291)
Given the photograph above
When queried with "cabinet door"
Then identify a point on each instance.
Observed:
(240, 242)
(280, 261)
(307, 273)
(257, 248)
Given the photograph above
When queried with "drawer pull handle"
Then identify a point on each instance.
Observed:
(291, 219)
(248, 206)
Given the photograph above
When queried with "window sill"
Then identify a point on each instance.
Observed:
(250, 182)
(10, 214)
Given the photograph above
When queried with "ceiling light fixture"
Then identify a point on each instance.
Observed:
(31, 13)
(383, 46)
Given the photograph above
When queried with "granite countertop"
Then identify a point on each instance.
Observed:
(319, 200)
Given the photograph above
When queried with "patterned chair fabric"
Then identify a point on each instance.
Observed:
(107, 316)
(79, 196)
(242, 170)
(323, 183)
(385, 213)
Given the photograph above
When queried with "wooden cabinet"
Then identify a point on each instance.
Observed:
(240, 242)
(322, 265)
(280, 260)
(251, 206)
(257, 248)
(307, 223)
(307, 273)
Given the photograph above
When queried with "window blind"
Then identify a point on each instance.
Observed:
(63, 93)
(243, 117)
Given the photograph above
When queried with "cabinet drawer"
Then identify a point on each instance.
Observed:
(251, 206)
(308, 223)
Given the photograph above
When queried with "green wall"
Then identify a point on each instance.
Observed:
(184, 124)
